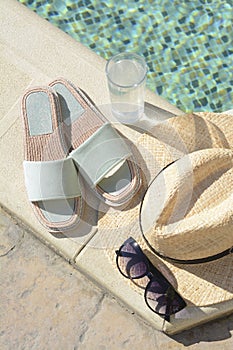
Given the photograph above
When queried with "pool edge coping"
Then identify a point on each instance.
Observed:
(14, 199)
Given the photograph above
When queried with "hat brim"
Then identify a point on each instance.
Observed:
(186, 215)
(201, 285)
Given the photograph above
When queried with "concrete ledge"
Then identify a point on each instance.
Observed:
(33, 52)
(106, 275)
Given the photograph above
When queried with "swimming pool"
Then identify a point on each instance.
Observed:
(187, 44)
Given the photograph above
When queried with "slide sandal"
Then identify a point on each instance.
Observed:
(103, 157)
(51, 179)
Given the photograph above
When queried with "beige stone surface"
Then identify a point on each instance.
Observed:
(95, 261)
(45, 303)
(48, 304)
(42, 302)
(32, 53)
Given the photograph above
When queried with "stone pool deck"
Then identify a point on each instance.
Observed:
(46, 303)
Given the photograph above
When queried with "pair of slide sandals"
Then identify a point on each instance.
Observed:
(67, 137)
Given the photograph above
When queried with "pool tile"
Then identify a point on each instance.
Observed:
(33, 53)
(184, 34)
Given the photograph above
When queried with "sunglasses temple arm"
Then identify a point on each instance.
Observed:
(167, 312)
(124, 254)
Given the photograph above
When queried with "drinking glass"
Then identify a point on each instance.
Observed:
(126, 75)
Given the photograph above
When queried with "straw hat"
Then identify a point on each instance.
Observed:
(187, 212)
(184, 211)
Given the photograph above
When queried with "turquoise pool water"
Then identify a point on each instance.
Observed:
(188, 45)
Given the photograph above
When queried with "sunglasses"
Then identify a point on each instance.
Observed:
(159, 295)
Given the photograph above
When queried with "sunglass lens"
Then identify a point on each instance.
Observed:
(130, 263)
(162, 298)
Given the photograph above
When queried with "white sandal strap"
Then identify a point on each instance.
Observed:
(99, 154)
(48, 180)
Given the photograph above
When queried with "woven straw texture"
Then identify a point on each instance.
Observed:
(48, 147)
(201, 284)
(84, 127)
(88, 122)
(187, 211)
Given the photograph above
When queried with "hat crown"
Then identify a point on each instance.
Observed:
(187, 213)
